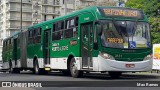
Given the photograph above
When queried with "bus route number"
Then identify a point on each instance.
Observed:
(114, 40)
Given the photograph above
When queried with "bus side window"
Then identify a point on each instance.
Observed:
(57, 33)
(11, 42)
(31, 37)
(66, 24)
(4, 45)
(76, 22)
(68, 33)
(28, 36)
(7, 45)
(39, 35)
(75, 29)
(75, 32)
(54, 27)
(60, 25)
(71, 28)
(34, 35)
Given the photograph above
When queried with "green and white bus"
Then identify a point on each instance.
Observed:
(94, 39)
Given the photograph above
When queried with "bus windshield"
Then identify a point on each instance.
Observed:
(125, 34)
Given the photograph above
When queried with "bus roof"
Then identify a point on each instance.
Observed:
(91, 9)
(11, 36)
(88, 9)
(65, 16)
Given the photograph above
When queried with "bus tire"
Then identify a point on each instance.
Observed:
(73, 69)
(37, 70)
(115, 74)
(10, 67)
(16, 70)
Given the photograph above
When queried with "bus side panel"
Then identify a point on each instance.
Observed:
(18, 52)
(61, 49)
(23, 57)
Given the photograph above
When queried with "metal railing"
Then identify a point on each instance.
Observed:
(50, 3)
(19, 18)
(13, 18)
(18, 9)
(27, 1)
(26, 19)
(13, 9)
(50, 12)
(26, 10)
(88, 0)
(16, 27)
(13, 0)
(23, 1)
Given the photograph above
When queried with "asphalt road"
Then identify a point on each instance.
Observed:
(92, 81)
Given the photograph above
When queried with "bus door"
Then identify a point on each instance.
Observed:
(86, 43)
(46, 51)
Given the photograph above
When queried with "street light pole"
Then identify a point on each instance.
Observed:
(21, 17)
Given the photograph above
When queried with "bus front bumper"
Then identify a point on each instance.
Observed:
(113, 65)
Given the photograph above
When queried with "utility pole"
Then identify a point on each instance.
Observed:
(74, 4)
(65, 6)
(21, 17)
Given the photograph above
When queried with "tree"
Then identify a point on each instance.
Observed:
(150, 8)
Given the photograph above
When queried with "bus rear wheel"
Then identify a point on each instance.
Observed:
(16, 70)
(13, 70)
(115, 74)
(73, 69)
(10, 67)
(37, 70)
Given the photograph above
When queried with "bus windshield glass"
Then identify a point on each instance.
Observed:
(125, 34)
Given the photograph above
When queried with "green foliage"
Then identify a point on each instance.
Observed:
(150, 8)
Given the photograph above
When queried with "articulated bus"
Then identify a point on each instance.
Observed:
(94, 39)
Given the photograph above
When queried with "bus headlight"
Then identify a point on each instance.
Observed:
(106, 56)
(148, 57)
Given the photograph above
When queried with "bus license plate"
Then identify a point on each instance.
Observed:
(130, 65)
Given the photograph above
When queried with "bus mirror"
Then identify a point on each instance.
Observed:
(95, 46)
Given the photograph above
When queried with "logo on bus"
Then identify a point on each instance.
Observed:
(56, 47)
(73, 42)
(86, 18)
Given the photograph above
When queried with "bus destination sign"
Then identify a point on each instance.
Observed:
(121, 12)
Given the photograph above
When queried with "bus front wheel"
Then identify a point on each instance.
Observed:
(73, 69)
(115, 74)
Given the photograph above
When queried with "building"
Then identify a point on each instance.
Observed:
(73, 5)
(33, 12)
